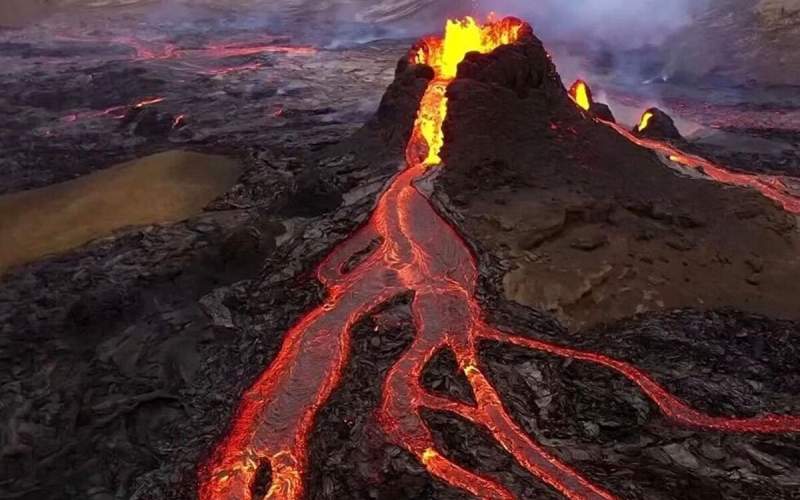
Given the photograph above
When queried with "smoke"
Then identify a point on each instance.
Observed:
(622, 47)
(587, 37)
(623, 24)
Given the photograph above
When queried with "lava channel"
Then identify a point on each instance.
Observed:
(773, 187)
(422, 253)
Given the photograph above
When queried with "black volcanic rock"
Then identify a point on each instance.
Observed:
(148, 122)
(441, 375)
(659, 126)
(394, 119)
(602, 111)
(125, 360)
(520, 154)
(524, 68)
(571, 220)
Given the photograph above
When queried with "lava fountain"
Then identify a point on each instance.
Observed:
(420, 253)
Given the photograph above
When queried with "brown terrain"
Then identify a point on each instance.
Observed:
(594, 229)
(157, 189)
(741, 40)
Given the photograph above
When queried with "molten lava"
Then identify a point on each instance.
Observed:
(443, 55)
(179, 121)
(462, 37)
(580, 93)
(773, 187)
(117, 112)
(420, 252)
(645, 121)
(148, 102)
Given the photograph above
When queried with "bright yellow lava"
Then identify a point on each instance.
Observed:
(429, 455)
(444, 54)
(462, 36)
(471, 370)
(430, 118)
(646, 117)
(582, 96)
(286, 479)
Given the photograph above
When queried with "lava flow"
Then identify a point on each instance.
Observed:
(420, 252)
(773, 187)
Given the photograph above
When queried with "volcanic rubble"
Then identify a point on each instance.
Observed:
(123, 361)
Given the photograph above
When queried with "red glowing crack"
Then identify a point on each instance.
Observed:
(419, 252)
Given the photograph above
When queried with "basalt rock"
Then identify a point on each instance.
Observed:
(657, 124)
(148, 122)
(523, 67)
(603, 112)
(398, 108)
(124, 360)
(633, 235)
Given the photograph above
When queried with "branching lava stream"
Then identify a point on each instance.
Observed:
(420, 252)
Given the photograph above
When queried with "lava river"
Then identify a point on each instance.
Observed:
(418, 252)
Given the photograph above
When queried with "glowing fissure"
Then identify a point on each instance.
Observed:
(146, 50)
(420, 252)
(117, 112)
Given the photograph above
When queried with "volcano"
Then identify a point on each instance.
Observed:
(489, 288)
(493, 108)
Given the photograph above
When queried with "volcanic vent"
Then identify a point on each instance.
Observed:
(493, 114)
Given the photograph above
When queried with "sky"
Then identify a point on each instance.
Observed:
(622, 23)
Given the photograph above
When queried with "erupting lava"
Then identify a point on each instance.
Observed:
(645, 121)
(444, 55)
(420, 252)
(580, 93)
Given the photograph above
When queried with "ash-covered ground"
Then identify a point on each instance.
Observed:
(122, 360)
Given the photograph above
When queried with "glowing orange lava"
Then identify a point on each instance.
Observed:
(773, 187)
(580, 93)
(117, 112)
(443, 55)
(178, 121)
(148, 102)
(420, 252)
(645, 121)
